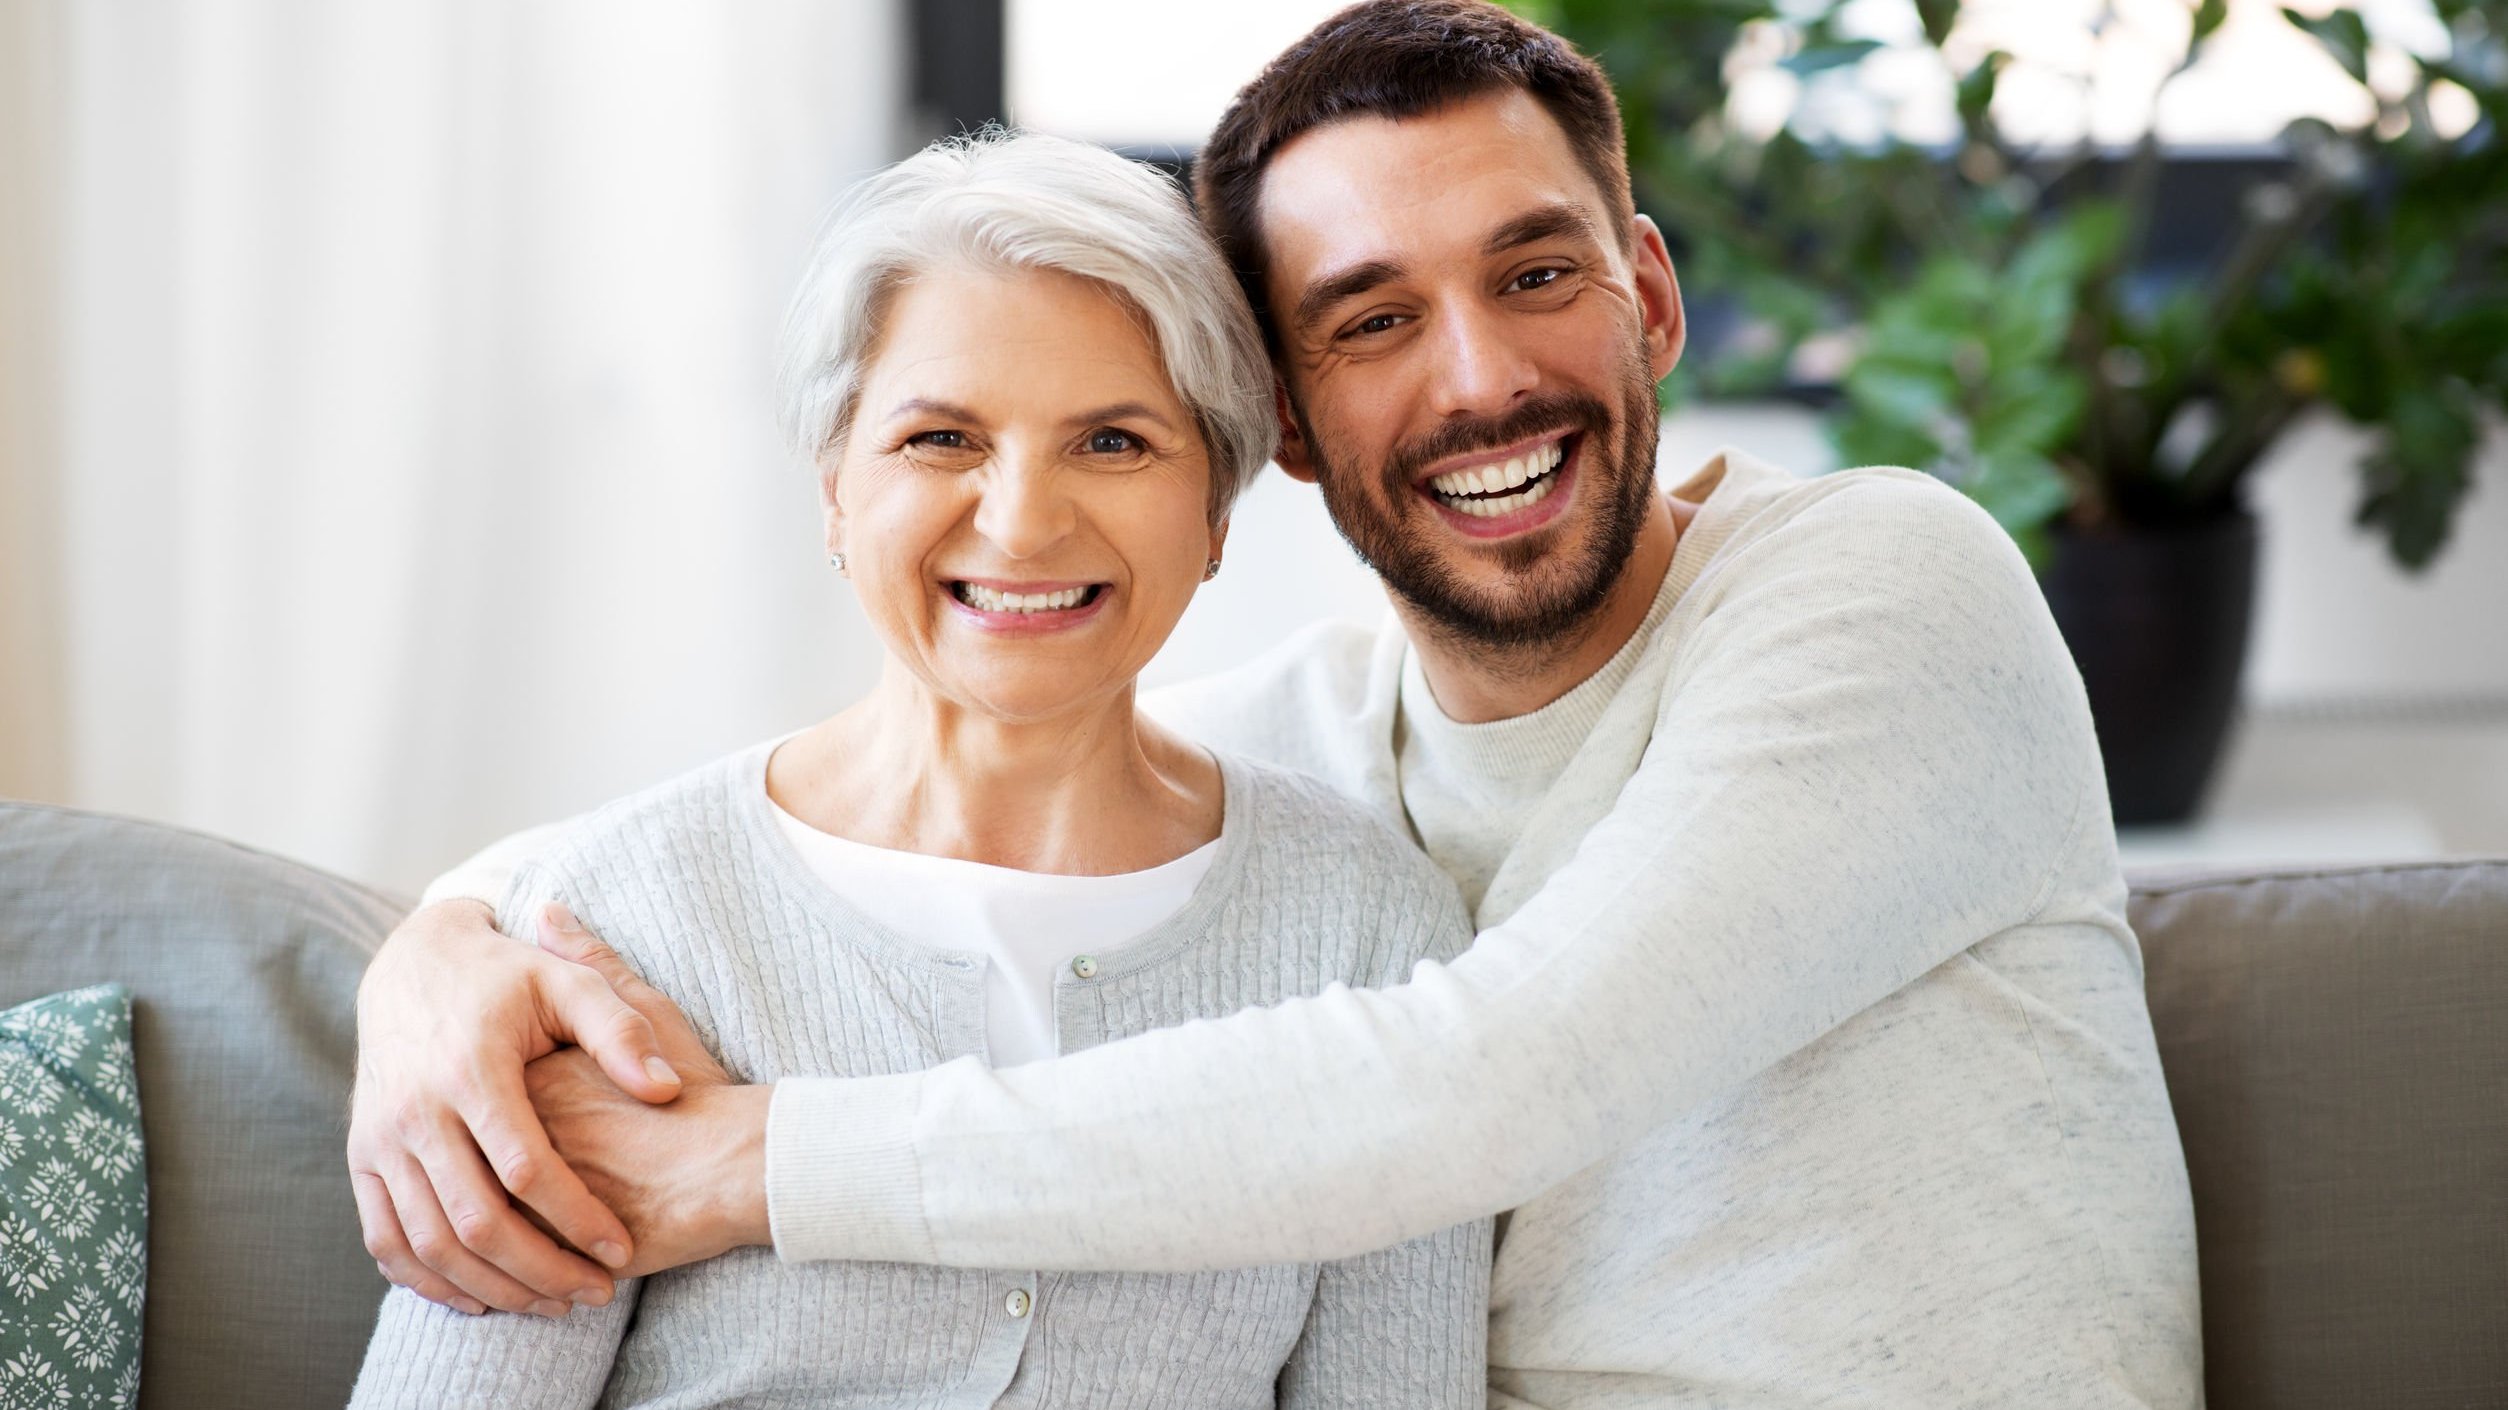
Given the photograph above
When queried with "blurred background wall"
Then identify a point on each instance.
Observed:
(386, 447)
(32, 698)
(390, 448)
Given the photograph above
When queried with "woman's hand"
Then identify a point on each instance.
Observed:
(689, 1179)
(441, 1127)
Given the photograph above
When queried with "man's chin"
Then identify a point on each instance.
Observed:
(1527, 589)
(1531, 587)
(1517, 610)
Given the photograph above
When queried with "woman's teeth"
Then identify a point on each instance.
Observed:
(1479, 490)
(984, 599)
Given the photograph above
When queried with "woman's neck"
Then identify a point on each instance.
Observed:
(1097, 792)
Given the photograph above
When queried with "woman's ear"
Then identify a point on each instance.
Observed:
(1219, 541)
(1295, 457)
(830, 509)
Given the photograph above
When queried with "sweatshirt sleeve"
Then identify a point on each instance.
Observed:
(1872, 753)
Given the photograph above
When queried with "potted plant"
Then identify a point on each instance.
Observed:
(2007, 315)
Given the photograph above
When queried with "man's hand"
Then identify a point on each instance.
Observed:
(441, 1128)
(688, 1179)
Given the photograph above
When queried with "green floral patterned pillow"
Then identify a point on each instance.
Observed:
(73, 1203)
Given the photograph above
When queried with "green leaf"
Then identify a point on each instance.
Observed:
(2030, 411)
(2343, 34)
(1938, 17)
(1820, 58)
(2090, 235)
(1976, 90)
(2357, 378)
(2207, 18)
(1864, 440)
(2417, 477)
(1899, 396)
(2022, 491)
(2032, 310)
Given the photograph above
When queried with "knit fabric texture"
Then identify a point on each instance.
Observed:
(696, 889)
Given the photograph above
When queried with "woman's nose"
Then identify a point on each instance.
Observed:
(1025, 510)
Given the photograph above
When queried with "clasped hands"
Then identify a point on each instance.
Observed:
(529, 1124)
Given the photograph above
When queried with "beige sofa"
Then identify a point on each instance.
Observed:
(2336, 1042)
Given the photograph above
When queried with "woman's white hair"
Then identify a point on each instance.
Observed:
(1011, 200)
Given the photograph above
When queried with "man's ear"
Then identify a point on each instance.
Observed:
(1659, 293)
(1295, 457)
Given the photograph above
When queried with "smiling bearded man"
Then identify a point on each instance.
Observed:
(1803, 1035)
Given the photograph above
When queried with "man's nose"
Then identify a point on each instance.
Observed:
(1480, 371)
(1025, 509)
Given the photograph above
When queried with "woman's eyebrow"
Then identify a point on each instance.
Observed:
(1558, 220)
(1119, 411)
(931, 406)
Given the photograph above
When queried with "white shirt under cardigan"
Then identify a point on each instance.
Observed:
(1804, 1032)
(1027, 925)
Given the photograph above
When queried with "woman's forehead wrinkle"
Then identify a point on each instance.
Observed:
(954, 358)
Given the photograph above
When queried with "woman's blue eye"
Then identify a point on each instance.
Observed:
(1111, 442)
(938, 440)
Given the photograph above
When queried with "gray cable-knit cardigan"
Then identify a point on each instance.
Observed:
(695, 887)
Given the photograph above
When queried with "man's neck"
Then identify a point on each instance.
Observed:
(1475, 683)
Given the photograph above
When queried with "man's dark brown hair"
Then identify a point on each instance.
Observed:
(1399, 59)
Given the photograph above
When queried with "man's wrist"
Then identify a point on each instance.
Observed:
(418, 933)
(737, 1210)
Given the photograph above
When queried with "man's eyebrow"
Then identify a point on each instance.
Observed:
(1560, 219)
(1321, 295)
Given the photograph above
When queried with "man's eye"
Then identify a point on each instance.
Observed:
(1107, 441)
(1375, 323)
(1532, 279)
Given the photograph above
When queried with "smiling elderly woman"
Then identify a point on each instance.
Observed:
(1032, 391)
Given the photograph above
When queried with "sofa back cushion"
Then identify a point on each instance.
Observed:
(2336, 1043)
(243, 970)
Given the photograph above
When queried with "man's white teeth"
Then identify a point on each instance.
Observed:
(984, 599)
(1532, 494)
(1506, 475)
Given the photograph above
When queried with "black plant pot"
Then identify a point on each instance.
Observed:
(2157, 621)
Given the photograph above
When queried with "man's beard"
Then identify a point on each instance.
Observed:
(1549, 610)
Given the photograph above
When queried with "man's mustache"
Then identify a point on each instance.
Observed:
(1559, 411)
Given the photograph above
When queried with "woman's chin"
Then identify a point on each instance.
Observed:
(1041, 698)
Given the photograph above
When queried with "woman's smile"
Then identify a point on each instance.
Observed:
(1027, 607)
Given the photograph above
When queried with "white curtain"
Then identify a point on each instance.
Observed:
(388, 445)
